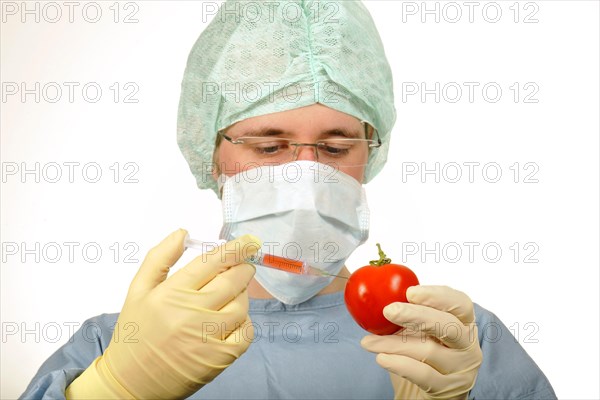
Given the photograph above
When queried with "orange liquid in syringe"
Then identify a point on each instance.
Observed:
(283, 264)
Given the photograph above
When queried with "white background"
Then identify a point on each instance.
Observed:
(552, 305)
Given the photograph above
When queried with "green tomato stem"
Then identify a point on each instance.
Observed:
(382, 258)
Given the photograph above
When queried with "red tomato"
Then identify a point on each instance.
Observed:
(372, 287)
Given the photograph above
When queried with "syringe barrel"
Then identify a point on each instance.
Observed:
(280, 263)
(266, 260)
(190, 243)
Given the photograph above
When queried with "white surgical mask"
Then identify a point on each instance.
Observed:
(303, 210)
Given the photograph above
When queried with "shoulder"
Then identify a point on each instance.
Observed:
(507, 371)
(97, 329)
(88, 341)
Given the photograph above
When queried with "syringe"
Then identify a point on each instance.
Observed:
(267, 260)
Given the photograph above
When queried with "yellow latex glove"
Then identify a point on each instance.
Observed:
(175, 335)
(437, 356)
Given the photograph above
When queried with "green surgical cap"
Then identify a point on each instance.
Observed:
(262, 57)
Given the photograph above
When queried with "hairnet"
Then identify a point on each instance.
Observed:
(261, 57)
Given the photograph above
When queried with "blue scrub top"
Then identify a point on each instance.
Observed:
(307, 351)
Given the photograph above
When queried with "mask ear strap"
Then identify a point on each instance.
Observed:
(220, 183)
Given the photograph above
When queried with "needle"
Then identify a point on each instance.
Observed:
(269, 261)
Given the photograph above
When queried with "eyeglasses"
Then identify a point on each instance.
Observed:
(341, 152)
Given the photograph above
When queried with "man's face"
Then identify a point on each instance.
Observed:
(303, 125)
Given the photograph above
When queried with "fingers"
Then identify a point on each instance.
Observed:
(225, 349)
(433, 383)
(244, 332)
(191, 316)
(443, 298)
(231, 345)
(201, 270)
(228, 319)
(420, 348)
(454, 384)
(225, 287)
(426, 320)
(158, 261)
(438, 350)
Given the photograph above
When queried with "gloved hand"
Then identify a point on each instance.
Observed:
(175, 335)
(437, 355)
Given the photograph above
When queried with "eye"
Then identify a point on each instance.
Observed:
(270, 148)
(335, 148)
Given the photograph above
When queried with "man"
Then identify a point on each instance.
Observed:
(285, 116)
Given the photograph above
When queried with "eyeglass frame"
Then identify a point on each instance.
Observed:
(372, 143)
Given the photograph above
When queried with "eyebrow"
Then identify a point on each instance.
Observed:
(352, 134)
(340, 132)
(264, 132)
